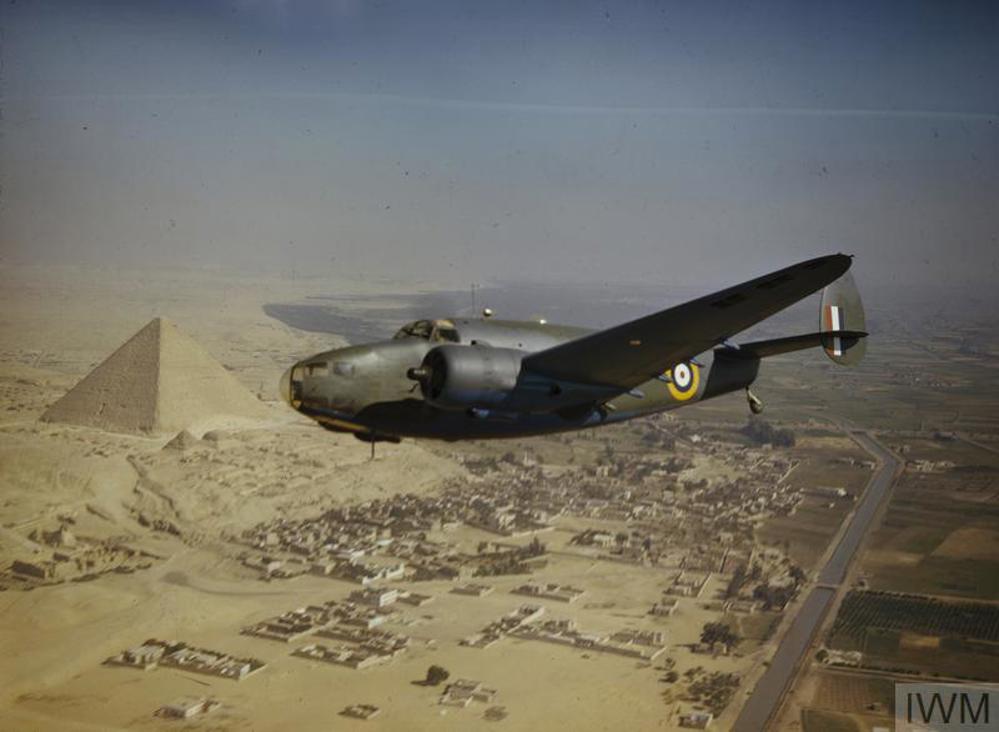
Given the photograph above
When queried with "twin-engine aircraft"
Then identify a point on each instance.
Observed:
(477, 378)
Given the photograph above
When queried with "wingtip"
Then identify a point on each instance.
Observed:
(847, 259)
(838, 256)
(838, 260)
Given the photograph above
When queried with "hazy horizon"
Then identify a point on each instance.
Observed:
(563, 142)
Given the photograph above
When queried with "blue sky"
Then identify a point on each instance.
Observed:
(573, 141)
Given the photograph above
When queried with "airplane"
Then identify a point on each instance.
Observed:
(480, 378)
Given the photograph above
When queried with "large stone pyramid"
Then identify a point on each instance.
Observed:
(159, 381)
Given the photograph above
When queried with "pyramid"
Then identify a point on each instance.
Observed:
(182, 441)
(160, 380)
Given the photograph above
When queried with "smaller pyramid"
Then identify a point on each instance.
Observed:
(160, 380)
(182, 441)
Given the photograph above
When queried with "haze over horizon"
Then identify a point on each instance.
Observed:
(462, 142)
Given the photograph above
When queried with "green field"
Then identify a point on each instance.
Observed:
(920, 634)
(862, 610)
(925, 511)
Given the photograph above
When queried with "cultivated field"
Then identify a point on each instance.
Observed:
(928, 580)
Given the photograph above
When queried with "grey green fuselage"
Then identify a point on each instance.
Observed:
(368, 389)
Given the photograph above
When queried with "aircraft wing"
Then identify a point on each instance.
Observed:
(630, 354)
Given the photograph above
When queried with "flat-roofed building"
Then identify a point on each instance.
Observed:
(696, 720)
(375, 596)
(361, 711)
(187, 707)
(470, 588)
(462, 691)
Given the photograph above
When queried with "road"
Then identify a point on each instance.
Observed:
(877, 488)
(770, 689)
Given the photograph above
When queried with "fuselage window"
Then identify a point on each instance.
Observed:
(343, 368)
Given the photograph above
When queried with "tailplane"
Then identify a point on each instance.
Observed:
(841, 336)
(830, 340)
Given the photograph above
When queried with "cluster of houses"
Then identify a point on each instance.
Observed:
(354, 624)
(355, 621)
(700, 526)
(644, 644)
(655, 516)
(686, 584)
(364, 655)
(504, 626)
(60, 556)
(294, 624)
(549, 591)
(181, 656)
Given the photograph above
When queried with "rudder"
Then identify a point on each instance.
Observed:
(842, 310)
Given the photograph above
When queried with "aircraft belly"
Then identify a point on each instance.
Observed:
(414, 418)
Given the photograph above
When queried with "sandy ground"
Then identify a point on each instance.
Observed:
(57, 325)
(54, 327)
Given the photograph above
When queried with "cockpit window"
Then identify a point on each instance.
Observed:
(439, 331)
(317, 368)
(419, 329)
(446, 335)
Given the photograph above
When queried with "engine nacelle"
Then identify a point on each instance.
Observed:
(467, 377)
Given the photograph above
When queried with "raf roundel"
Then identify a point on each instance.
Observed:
(683, 380)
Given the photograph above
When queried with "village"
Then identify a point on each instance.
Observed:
(695, 534)
(638, 510)
(641, 547)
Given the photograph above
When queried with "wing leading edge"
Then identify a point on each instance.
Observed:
(629, 354)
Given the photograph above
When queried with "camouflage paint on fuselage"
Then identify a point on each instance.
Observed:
(365, 388)
(458, 379)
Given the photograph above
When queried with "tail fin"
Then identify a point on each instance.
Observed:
(842, 310)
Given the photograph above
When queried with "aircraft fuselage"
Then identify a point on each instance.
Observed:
(368, 389)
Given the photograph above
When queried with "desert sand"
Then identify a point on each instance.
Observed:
(126, 461)
(163, 439)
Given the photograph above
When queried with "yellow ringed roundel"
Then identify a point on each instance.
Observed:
(683, 380)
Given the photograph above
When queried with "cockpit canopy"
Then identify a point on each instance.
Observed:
(438, 331)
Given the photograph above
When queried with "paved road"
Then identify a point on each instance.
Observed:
(770, 689)
(835, 570)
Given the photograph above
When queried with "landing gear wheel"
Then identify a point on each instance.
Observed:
(755, 405)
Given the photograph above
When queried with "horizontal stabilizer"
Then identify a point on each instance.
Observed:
(777, 346)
